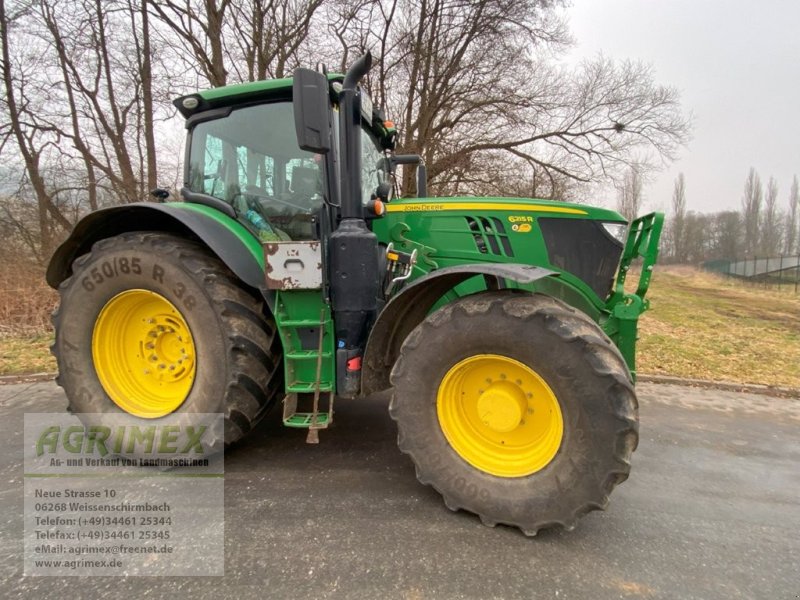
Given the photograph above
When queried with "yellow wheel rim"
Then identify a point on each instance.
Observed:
(143, 353)
(499, 415)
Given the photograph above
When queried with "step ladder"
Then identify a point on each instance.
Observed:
(308, 371)
(293, 270)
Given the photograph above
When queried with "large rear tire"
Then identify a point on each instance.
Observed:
(515, 407)
(152, 324)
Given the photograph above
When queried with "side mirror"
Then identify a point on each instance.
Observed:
(422, 181)
(422, 172)
(312, 111)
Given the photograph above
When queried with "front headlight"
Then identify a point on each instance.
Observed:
(618, 231)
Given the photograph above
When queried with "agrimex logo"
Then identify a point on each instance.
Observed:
(122, 439)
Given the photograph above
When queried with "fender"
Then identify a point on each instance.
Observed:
(225, 237)
(407, 309)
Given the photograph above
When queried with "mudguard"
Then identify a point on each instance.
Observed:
(408, 308)
(227, 238)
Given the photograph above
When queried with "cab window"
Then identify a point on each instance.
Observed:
(251, 160)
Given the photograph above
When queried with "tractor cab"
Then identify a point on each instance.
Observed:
(244, 156)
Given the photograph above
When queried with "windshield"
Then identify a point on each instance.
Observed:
(374, 163)
(251, 160)
(373, 166)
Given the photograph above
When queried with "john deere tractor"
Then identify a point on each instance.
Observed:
(290, 273)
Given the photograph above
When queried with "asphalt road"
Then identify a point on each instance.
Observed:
(712, 510)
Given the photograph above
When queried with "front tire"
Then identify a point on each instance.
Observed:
(515, 407)
(152, 324)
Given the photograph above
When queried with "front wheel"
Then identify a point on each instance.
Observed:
(151, 324)
(515, 407)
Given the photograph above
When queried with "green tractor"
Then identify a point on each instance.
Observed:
(288, 271)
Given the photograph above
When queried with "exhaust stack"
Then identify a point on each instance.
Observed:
(352, 248)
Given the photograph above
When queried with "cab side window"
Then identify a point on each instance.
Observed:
(251, 160)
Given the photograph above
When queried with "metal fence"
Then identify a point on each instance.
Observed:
(782, 272)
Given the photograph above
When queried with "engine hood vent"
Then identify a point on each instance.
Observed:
(490, 235)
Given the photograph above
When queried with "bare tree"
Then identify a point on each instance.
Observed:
(269, 34)
(629, 193)
(790, 239)
(770, 228)
(198, 24)
(226, 42)
(478, 79)
(751, 211)
(30, 134)
(727, 236)
(679, 218)
(144, 64)
(82, 96)
(696, 238)
(107, 84)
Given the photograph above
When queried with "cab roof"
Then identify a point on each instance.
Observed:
(240, 93)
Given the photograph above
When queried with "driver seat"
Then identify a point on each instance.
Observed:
(306, 182)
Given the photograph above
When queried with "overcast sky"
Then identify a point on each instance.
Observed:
(737, 65)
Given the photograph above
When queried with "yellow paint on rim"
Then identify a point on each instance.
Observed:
(467, 206)
(143, 353)
(499, 415)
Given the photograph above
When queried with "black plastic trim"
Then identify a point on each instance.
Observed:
(583, 248)
(208, 115)
(206, 200)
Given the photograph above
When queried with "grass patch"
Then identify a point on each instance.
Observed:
(707, 326)
(26, 354)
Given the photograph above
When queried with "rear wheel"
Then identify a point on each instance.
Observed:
(150, 324)
(515, 407)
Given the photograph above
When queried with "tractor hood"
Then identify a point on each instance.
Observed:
(582, 243)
